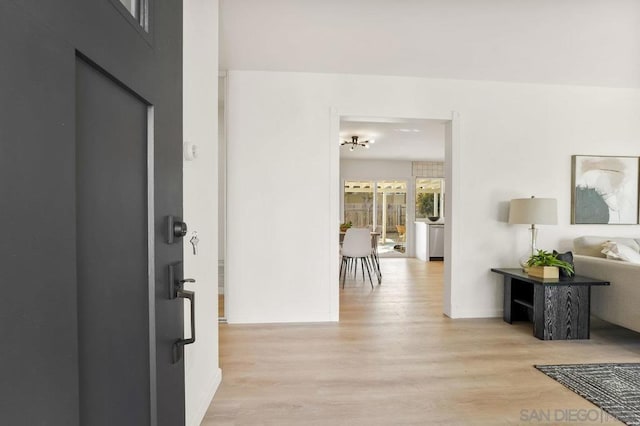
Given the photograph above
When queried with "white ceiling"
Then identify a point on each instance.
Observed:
(395, 139)
(583, 42)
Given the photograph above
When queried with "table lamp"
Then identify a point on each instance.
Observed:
(534, 211)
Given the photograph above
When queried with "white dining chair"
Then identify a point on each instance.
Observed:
(356, 246)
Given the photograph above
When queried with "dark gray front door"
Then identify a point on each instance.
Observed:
(90, 167)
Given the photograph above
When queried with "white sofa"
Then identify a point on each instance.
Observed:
(618, 303)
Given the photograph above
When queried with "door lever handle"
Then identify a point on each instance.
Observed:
(178, 346)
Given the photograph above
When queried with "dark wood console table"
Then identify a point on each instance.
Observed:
(559, 308)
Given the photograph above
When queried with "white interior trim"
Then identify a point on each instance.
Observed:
(452, 179)
(223, 143)
(205, 398)
(334, 217)
(453, 189)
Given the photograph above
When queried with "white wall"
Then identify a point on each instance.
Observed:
(516, 140)
(375, 169)
(380, 170)
(202, 373)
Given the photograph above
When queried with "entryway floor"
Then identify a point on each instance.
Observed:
(395, 359)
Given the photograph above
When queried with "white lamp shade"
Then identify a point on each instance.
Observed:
(535, 211)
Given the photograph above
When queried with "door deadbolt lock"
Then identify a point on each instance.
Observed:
(176, 229)
(179, 229)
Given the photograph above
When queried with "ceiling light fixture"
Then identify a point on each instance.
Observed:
(355, 142)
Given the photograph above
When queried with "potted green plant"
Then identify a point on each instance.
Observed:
(345, 226)
(546, 265)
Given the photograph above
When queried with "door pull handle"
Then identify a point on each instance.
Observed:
(178, 346)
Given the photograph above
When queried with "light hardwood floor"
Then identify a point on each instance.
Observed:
(394, 359)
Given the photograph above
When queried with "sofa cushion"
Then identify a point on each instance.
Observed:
(621, 252)
(592, 246)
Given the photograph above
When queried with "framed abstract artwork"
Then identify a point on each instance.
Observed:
(604, 190)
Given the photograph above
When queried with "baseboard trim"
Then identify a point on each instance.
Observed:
(205, 399)
(490, 313)
(305, 318)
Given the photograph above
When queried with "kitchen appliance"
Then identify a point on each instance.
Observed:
(436, 242)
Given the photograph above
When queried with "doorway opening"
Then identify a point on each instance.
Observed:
(399, 186)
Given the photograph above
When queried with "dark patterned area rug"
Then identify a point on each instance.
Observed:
(615, 388)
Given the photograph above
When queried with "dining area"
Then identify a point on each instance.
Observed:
(359, 245)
